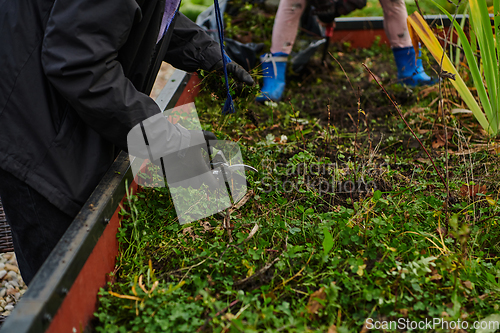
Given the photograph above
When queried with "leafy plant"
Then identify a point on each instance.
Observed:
(193, 8)
(486, 74)
(309, 259)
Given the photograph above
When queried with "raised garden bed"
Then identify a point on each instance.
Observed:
(383, 241)
(62, 296)
(349, 226)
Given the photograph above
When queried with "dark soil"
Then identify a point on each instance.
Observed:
(338, 92)
(335, 99)
(341, 94)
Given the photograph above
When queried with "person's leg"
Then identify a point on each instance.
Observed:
(36, 224)
(285, 29)
(410, 69)
(286, 25)
(395, 25)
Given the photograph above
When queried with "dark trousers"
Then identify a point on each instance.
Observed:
(36, 224)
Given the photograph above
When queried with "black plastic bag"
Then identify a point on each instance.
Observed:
(243, 54)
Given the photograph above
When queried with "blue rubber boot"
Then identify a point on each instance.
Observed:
(274, 69)
(410, 70)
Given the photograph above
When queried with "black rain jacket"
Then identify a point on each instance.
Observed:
(74, 79)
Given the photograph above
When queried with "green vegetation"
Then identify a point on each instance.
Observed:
(346, 218)
(382, 242)
(428, 7)
(193, 8)
(485, 72)
(381, 258)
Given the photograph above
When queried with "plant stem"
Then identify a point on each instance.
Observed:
(408, 125)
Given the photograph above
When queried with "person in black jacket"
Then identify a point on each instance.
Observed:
(75, 77)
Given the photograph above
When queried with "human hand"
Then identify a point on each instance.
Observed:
(240, 74)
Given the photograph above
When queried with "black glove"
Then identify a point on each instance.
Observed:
(240, 73)
(236, 70)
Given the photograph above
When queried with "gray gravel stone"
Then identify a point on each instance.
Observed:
(11, 275)
(12, 285)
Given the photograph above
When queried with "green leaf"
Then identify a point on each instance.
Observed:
(416, 287)
(328, 241)
(454, 221)
(481, 24)
(425, 33)
(419, 306)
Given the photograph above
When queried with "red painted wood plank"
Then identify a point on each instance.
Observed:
(359, 38)
(80, 303)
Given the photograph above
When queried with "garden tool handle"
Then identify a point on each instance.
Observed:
(328, 35)
(329, 30)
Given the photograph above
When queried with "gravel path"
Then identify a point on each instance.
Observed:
(12, 285)
(163, 75)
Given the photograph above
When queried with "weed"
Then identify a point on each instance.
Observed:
(376, 243)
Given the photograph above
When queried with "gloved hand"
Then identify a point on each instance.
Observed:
(236, 70)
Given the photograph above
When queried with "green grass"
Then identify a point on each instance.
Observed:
(373, 7)
(192, 8)
(396, 250)
(379, 257)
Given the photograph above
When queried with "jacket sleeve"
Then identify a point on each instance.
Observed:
(191, 48)
(79, 57)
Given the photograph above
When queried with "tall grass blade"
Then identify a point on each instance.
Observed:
(496, 23)
(484, 34)
(425, 33)
(459, 41)
(474, 67)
